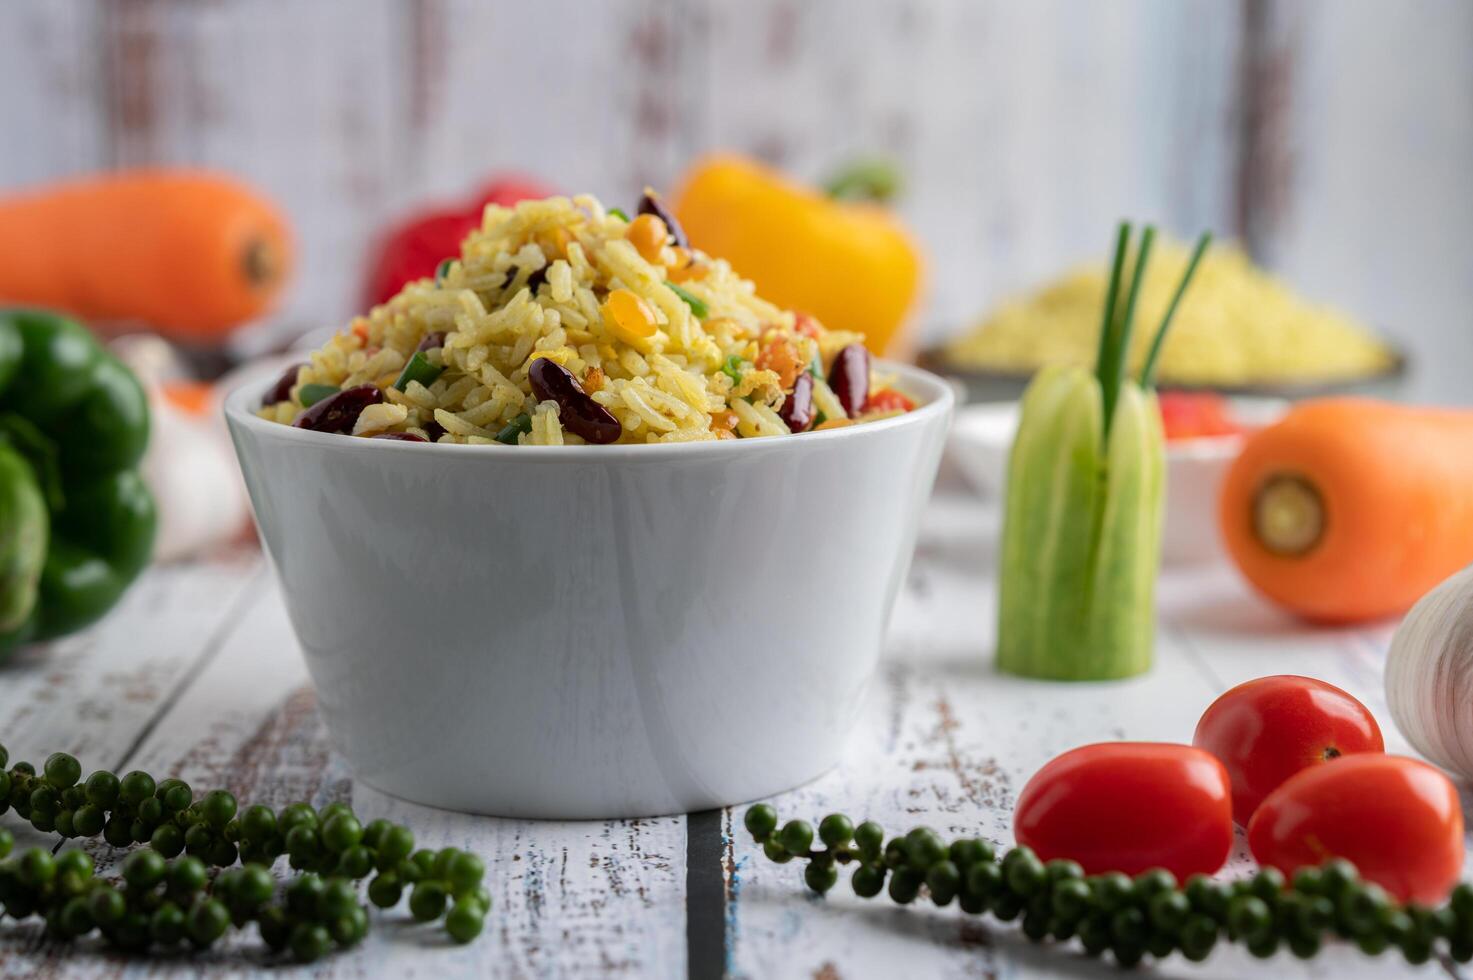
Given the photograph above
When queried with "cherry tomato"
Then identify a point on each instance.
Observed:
(1129, 806)
(1396, 819)
(1266, 730)
(1195, 415)
(888, 400)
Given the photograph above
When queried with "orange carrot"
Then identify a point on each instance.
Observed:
(1349, 509)
(191, 397)
(188, 253)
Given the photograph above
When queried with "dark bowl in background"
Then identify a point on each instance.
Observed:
(1001, 386)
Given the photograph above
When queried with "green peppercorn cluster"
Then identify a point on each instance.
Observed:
(166, 895)
(1128, 917)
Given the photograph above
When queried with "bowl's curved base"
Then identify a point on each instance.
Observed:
(501, 807)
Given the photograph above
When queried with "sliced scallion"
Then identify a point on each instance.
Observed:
(619, 213)
(696, 304)
(442, 270)
(418, 369)
(733, 369)
(520, 425)
(311, 394)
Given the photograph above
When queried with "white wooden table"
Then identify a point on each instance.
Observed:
(197, 675)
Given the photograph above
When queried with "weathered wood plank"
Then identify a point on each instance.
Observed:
(947, 742)
(1024, 130)
(49, 79)
(944, 741)
(93, 694)
(570, 898)
(1374, 135)
(307, 104)
(1318, 131)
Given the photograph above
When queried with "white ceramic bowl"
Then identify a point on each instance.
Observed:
(592, 631)
(982, 438)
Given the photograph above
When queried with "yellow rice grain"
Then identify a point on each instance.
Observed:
(529, 285)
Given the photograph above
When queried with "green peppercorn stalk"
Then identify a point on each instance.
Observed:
(1130, 918)
(166, 896)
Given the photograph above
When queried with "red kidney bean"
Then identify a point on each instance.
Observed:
(400, 436)
(282, 390)
(849, 377)
(338, 412)
(650, 204)
(580, 414)
(434, 430)
(432, 340)
(797, 409)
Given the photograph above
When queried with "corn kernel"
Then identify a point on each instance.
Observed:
(561, 355)
(629, 317)
(695, 270)
(647, 233)
(560, 239)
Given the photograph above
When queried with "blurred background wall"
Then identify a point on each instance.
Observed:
(1334, 137)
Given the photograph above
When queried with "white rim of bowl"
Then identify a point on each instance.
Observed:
(935, 395)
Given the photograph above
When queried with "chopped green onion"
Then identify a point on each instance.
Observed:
(733, 369)
(696, 304)
(815, 366)
(311, 394)
(619, 213)
(1148, 371)
(442, 270)
(418, 369)
(520, 425)
(819, 419)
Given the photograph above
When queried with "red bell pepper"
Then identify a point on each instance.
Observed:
(413, 248)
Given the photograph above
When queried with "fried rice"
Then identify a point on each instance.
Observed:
(643, 330)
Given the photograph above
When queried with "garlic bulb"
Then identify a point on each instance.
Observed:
(1429, 675)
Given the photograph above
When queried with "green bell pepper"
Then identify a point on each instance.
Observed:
(76, 520)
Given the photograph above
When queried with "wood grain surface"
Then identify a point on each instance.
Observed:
(1332, 137)
(197, 675)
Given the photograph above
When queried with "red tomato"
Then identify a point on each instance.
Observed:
(1266, 730)
(888, 400)
(805, 324)
(1396, 819)
(1129, 806)
(1195, 414)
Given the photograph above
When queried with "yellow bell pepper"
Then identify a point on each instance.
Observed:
(851, 264)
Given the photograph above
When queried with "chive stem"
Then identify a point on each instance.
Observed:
(1107, 324)
(1112, 369)
(1148, 370)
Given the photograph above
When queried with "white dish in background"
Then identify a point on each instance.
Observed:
(982, 437)
(592, 631)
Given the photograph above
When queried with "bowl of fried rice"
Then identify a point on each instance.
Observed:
(582, 527)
